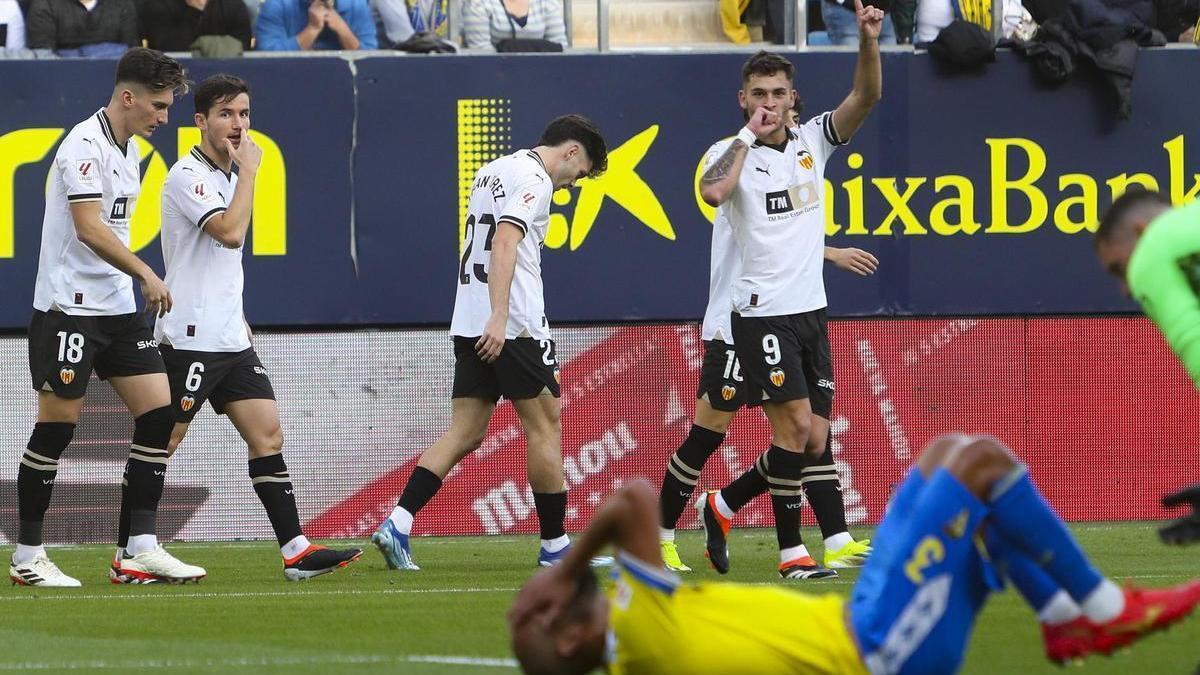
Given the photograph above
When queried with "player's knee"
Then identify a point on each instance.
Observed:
(154, 429)
(269, 443)
(980, 463)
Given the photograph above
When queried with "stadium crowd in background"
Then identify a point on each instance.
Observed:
(224, 28)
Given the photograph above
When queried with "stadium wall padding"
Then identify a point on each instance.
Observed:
(1097, 407)
(976, 191)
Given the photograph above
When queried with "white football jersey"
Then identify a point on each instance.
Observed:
(204, 276)
(724, 266)
(89, 166)
(777, 215)
(517, 189)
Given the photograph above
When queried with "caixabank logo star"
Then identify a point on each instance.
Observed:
(485, 133)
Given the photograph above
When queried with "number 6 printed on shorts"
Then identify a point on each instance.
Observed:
(192, 383)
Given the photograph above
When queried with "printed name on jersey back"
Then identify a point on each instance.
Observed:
(491, 183)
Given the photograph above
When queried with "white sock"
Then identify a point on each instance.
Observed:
(25, 554)
(666, 534)
(1059, 609)
(294, 547)
(722, 507)
(141, 543)
(837, 541)
(1105, 603)
(789, 554)
(402, 519)
(557, 544)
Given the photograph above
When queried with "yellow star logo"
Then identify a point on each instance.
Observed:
(623, 185)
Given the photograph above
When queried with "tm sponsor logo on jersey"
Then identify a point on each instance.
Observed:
(794, 201)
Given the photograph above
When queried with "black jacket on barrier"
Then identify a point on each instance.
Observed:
(1106, 34)
(66, 24)
(173, 25)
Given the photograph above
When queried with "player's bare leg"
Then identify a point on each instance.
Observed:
(56, 420)
(541, 419)
(683, 472)
(140, 559)
(468, 424)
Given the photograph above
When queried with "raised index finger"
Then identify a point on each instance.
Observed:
(858, 6)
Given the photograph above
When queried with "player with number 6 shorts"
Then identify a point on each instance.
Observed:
(205, 342)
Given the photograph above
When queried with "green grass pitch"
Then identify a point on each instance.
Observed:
(449, 617)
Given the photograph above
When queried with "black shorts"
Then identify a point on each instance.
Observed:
(64, 349)
(721, 381)
(218, 377)
(786, 358)
(526, 368)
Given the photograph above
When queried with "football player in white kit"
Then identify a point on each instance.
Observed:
(769, 182)
(502, 341)
(85, 319)
(205, 342)
(722, 393)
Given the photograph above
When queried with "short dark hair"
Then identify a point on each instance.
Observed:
(767, 64)
(581, 129)
(218, 89)
(153, 70)
(1124, 206)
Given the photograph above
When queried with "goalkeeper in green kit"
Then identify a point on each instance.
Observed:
(1154, 251)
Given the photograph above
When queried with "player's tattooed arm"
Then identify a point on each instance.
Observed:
(718, 183)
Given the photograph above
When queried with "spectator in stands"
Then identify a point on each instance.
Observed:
(841, 22)
(12, 26)
(399, 20)
(173, 25)
(89, 28)
(934, 15)
(488, 23)
(252, 7)
(301, 25)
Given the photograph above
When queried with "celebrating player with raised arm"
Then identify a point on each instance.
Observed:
(85, 319)
(911, 612)
(769, 183)
(502, 342)
(205, 342)
(1154, 251)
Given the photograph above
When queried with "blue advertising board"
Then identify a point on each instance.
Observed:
(977, 192)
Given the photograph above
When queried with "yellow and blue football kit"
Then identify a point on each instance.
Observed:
(658, 626)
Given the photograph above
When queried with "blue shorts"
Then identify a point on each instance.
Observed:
(915, 604)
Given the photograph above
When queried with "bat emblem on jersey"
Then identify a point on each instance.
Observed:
(805, 159)
(186, 403)
(67, 375)
(777, 377)
(728, 392)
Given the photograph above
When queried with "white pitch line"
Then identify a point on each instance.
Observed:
(151, 595)
(256, 662)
